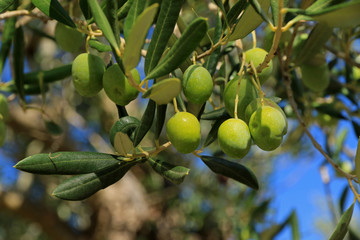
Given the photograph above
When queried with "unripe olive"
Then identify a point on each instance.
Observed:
(234, 138)
(247, 93)
(257, 56)
(87, 73)
(315, 77)
(197, 84)
(69, 39)
(4, 107)
(117, 86)
(256, 104)
(267, 127)
(183, 131)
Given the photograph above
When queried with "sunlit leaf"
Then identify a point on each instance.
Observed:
(135, 10)
(173, 173)
(136, 37)
(232, 170)
(53, 9)
(122, 143)
(164, 91)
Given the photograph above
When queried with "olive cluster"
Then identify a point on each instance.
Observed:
(257, 119)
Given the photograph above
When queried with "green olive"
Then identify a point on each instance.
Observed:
(183, 131)
(267, 127)
(315, 77)
(87, 73)
(69, 39)
(247, 92)
(197, 84)
(256, 104)
(234, 138)
(117, 86)
(257, 56)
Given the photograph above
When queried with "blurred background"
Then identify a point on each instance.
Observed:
(299, 192)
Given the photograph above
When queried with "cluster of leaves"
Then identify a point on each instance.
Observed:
(169, 54)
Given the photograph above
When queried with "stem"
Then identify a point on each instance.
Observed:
(357, 196)
(253, 34)
(17, 13)
(175, 105)
(133, 83)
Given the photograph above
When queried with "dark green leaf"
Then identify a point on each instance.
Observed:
(220, 4)
(18, 55)
(110, 11)
(6, 41)
(103, 24)
(212, 136)
(67, 163)
(146, 122)
(48, 76)
(168, 16)
(343, 224)
(101, 47)
(160, 119)
(174, 174)
(53, 128)
(84, 6)
(232, 170)
(5, 4)
(259, 10)
(343, 199)
(124, 10)
(164, 91)
(235, 11)
(83, 186)
(126, 125)
(249, 21)
(356, 128)
(271, 232)
(136, 37)
(215, 114)
(294, 223)
(182, 48)
(275, 9)
(314, 43)
(180, 102)
(135, 10)
(53, 9)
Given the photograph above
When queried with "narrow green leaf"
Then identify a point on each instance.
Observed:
(357, 161)
(342, 200)
(53, 128)
(215, 114)
(135, 10)
(124, 10)
(160, 119)
(213, 59)
(294, 223)
(249, 21)
(6, 41)
(212, 136)
(53, 9)
(48, 76)
(220, 4)
(110, 11)
(314, 43)
(146, 122)
(343, 224)
(232, 170)
(259, 10)
(126, 125)
(165, 24)
(67, 163)
(164, 91)
(275, 9)
(182, 48)
(83, 186)
(5, 4)
(18, 55)
(136, 37)
(85, 9)
(103, 24)
(174, 174)
(235, 11)
(29, 89)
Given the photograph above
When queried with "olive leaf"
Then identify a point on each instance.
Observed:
(232, 170)
(136, 37)
(215, 114)
(174, 174)
(212, 136)
(122, 143)
(6, 41)
(343, 224)
(160, 119)
(357, 161)
(48, 76)
(5, 4)
(127, 124)
(19, 55)
(182, 48)
(146, 122)
(83, 186)
(124, 9)
(165, 24)
(235, 11)
(53, 9)
(164, 91)
(135, 10)
(249, 21)
(67, 163)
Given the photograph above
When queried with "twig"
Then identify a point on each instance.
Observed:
(17, 13)
(343, 56)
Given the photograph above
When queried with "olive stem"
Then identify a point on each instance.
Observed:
(175, 105)
(253, 34)
(133, 83)
(357, 196)
(17, 13)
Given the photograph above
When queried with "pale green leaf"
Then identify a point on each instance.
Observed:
(174, 174)
(343, 224)
(164, 91)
